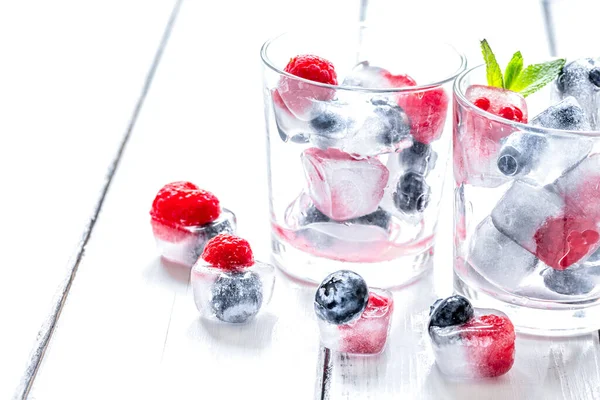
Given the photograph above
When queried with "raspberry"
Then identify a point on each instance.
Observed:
(228, 252)
(490, 343)
(426, 110)
(184, 204)
(399, 81)
(313, 68)
(563, 241)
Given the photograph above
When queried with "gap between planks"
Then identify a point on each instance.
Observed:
(48, 327)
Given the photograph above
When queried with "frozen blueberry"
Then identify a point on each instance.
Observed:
(568, 282)
(312, 215)
(412, 193)
(566, 114)
(236, 296)
(520, 153)
(396, 125)
(419, 158)
(379, 217)
(576, 74)
(434, 305)
(341, 297)
(455, 310)
(327, 122)
(595, 76)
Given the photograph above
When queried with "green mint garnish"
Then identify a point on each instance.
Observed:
(525, 81)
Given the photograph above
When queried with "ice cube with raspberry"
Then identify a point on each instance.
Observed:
(184, 218)
(468, 342)
(554, 229)
(352, 317)
(342, 186)
(370, 76)
(228, 284)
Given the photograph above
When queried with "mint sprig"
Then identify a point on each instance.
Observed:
(516, 78)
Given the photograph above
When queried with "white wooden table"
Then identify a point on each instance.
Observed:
(156, 91)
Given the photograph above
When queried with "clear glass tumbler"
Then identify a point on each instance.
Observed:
(527, 206)
(356, 169)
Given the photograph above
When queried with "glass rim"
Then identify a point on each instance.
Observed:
(462, 98)
(266, 61)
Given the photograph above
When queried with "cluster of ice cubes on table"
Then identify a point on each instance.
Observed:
(233, 296)
(184, 245)
(542, 238)
(362, 167)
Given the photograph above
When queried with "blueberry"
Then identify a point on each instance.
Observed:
(434, 305)
(341, 297)
(568, 282)
(412, 193)
(327, 122)
(419, 158)
(396, 125)
(236, 296)
(595, 76)
(312, 215)
(455, 310)
(379, 217)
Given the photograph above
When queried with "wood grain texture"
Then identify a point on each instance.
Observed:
(70, 77)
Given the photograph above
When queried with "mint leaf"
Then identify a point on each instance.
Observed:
(492, 69)
(513, 69)
(536, 76)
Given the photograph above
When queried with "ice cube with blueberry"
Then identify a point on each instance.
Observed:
(184, 218)
(228, 284)
(468, 342)
(565, 115)
(362, 128)
(498, 258)
(341, 186)
(581, 80)
(352, 317)
(419, 158)
(575, 281)
(539, 219)
(478, 139)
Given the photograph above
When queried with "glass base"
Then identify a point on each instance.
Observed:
(531, 316)
(312, 269)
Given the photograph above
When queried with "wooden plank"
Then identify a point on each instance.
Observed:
(70, 79)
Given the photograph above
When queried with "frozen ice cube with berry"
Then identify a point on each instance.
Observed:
(366, 75)
(581, 80)
(352, 317)
(470, 343)
(341, 186)
(228, 284)
(566, 115)
(184, 218)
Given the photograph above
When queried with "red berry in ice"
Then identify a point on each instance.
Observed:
(228, 252)
(184, 204)
(398, 81)
(483, 103)
(563, 241)
(426, 110)
(490, 343)
(313, 68)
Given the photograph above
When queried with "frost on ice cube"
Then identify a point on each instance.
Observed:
(581, 80)
(341, 186)
(353, 318)
(497, 258)
(549, 227)
(540, 157)
(361, 128)
(471, 343)
(232, 296)
(184, 244)
(478, 139)
(566, 115)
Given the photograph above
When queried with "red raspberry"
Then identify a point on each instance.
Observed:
(184, 204)
(490, 343)
(313, 68)
(426, 110)
(399, 81)
(563, 241)
(228, 252)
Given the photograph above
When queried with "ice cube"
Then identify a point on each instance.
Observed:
(289, 127)
(341, 186)
(483, 346)
(184, 244)
(232, 296)
(353, 318)
(580, 188)
(581, 79)
(426, 110)
(477, 140)
(540, 157)
(542, 222)
(566, 115)
(497, 258)
(369, 76)
(570, 282)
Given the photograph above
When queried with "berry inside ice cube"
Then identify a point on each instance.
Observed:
(412, 193)
(369, 76)
(341, 297)
(501, 102)
(236, 296)
(454, 310)
(426, 110)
